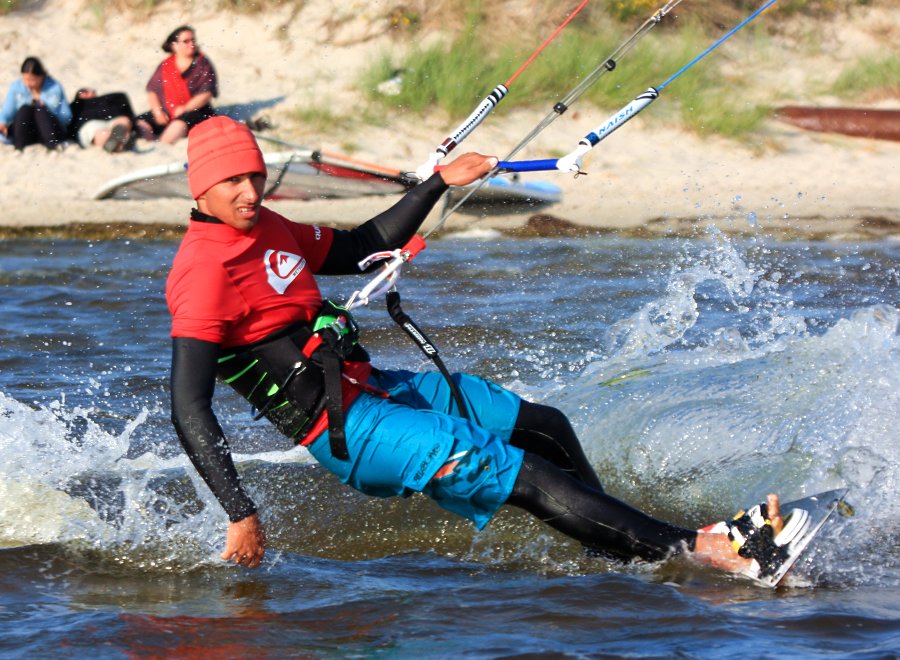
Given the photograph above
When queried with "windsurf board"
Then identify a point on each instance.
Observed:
(308, 174)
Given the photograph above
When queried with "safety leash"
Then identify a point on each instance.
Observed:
(385, 283)
(421, 340)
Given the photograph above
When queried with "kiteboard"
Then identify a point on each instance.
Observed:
(803, 519)
(308, 174)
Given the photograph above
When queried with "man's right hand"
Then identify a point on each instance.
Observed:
(467, 168)
(245, 543)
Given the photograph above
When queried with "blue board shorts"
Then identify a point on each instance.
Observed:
(415, 441)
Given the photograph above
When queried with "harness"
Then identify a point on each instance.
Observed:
(294, 375)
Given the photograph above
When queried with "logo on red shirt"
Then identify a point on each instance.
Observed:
(282, 268)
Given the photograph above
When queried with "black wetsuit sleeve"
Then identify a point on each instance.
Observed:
(386, 231)
(194, 364)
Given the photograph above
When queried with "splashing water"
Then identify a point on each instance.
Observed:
(711, 424)
(662, 322)
(725, 376)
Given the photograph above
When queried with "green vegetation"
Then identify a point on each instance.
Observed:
(713, 97)
(143, 8)
(8, 6)
(625, 9)
(321, 119)
(256, 6)
(102, 7)
(457, 77)
(454, 77)
(870, 76)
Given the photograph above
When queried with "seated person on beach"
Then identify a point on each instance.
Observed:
(246, 307)
(35, 110)
(180, 90)
(104, 121)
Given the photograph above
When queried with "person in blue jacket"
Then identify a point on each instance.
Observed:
(35, 110)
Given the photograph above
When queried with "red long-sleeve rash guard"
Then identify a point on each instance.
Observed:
(235, 288)
(230, 288)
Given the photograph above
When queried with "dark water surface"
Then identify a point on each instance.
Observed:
(699, 374)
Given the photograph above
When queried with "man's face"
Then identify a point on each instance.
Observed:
(235, 201)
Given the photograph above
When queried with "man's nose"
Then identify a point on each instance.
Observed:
(248, 190)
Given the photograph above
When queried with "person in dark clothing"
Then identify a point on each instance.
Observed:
(105, 121)
(246, 307)
(35, 110)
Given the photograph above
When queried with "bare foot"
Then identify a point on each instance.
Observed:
(144, 130)
(714, 549)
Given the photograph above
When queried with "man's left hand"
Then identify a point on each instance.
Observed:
(245, 543)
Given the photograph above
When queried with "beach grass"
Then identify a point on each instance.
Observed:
(456, 77)
(321, 119)
(709, 99)
(870, 76)
(9, 6)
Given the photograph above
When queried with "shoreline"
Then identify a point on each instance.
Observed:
(648, 179)
(648, 182)
(540, 225)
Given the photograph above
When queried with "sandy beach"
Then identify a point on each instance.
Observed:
(646, 179)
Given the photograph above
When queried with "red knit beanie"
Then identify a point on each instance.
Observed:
(219, 148)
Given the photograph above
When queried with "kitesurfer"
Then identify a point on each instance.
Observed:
(246, 307)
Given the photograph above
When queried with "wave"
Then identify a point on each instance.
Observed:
(695, 430)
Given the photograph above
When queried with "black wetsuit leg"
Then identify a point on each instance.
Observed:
(600, 522)
(546, 431)
(194, 117)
